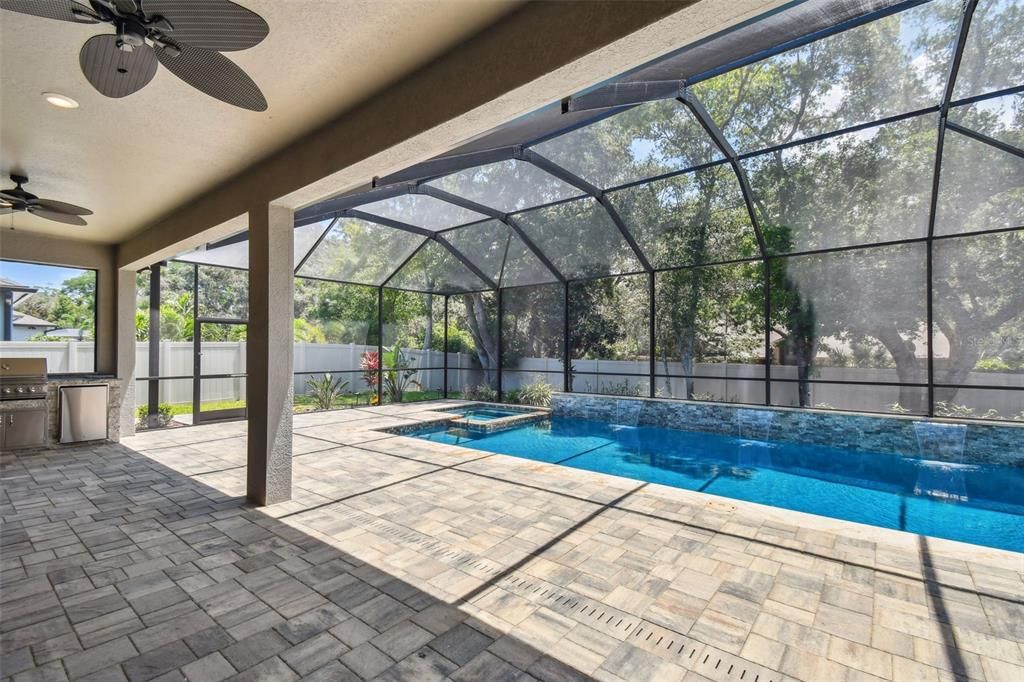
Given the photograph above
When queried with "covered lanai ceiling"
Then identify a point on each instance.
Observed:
(132, 160)
(700, 147)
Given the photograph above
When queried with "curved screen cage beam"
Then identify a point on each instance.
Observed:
(981, 137)
(465, 261)
(430, 235)
(624, 94)
(635, 88)
(499, 216)
(316, 245)
(401, 265)
(334, 208)
(504, 257)
(387, 222)
(599, 195)
(966, 14)
(712, 129)
(947, 97)
(446, 165)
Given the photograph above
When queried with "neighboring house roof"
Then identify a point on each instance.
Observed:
(23, 320)
(19, 290)
(69, 332)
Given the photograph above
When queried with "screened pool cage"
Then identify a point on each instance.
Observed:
(831, 220)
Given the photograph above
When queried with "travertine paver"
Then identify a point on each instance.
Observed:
(403, 559)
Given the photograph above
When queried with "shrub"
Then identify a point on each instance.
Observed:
(325, 390)
(163, 415)
(954, 411)
(512, 396)
(625, 388)
(399, 380)
(536, 393)
(482, 392)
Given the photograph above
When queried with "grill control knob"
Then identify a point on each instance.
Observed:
(7, 390)
(31, 389)
(20, 389)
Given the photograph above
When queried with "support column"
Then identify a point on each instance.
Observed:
(125, 361)
(154, 343)
(269, 382)
(8, 328)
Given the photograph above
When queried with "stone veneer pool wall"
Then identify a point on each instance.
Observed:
(985, 442)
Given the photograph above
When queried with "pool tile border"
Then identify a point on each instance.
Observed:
(985, 443)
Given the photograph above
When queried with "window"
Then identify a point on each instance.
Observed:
(49, 312)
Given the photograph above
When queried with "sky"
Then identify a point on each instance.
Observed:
(34, 275)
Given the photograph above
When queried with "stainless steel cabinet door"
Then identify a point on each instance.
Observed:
(83, 413)
(24, 429)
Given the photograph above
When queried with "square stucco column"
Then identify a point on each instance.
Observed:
(269, 355)
(126, 349)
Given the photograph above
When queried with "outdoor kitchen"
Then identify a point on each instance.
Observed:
(40, 409)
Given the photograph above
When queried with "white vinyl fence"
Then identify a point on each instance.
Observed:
(597, 376)
(61, 356)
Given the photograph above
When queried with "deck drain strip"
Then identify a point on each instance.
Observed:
(688, 652)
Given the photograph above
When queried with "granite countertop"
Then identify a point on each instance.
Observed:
(79, 375)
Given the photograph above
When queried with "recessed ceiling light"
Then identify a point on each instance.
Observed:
(60, 101)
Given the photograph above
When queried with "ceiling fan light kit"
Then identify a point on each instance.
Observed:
(186, 36)
(60, 101)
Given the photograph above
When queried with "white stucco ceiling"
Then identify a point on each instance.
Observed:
(133, 159)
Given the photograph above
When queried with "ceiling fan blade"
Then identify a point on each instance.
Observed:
(216, 75)
(56, 217)
(10, 195)
(4, 210)
(218, 25)
(112, 71)
(60, 207)
(126, 6)
(61, 10)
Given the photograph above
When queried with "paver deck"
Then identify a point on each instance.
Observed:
(405, 559)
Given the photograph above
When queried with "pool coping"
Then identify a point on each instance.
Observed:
(853, 530)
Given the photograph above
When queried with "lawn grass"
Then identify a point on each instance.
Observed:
(305, 403)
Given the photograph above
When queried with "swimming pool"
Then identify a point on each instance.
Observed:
(978, 503)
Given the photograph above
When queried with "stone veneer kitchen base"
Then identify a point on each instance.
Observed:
(985, 442)
(52, 404)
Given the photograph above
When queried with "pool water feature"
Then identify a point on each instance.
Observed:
(980, 503)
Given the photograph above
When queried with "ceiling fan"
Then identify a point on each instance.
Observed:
(186, 36)
(17, 199)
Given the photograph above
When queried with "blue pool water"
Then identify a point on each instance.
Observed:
(977, 503)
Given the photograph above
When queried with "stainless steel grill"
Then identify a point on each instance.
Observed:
(22, 378)
(23, 403)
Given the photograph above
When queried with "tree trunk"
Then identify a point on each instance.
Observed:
(908, 368)
(428, 334)
(485, 342)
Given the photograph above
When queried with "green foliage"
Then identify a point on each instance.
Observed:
(326, 390)
(459, 340)
(399, 378)
(537, 393)
(163, 416)
(513, 396)
(954, 411)
(308, 332)
(71, 306)
(482, 392)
